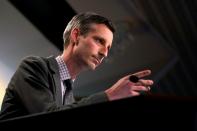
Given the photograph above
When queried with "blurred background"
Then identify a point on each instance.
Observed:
(151, 34)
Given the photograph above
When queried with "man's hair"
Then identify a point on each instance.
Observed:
(83, 21)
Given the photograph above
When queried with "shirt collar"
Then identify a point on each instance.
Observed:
(63, 70)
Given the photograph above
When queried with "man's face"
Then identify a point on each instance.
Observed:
(92, 48)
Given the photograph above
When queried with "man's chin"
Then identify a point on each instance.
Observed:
(92, 66)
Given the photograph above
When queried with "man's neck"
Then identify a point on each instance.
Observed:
(73, 68)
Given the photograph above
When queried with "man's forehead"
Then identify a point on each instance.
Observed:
(96, 27)
(102, 30)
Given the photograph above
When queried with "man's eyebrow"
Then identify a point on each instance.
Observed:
(100, 38)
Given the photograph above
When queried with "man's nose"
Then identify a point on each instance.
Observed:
(103, 51)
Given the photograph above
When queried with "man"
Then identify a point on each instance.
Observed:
(45, 84)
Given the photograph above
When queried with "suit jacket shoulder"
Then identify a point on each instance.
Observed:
(35, 87)
(32, 88)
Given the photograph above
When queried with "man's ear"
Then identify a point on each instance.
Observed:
(74, 36)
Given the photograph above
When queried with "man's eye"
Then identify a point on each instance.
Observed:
(98, 40)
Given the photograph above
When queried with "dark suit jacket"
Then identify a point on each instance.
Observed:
(35, 87)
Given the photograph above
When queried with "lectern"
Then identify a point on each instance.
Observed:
(146, 112)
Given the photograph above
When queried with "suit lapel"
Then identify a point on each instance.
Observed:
(56, 77)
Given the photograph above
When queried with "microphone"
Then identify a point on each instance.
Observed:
(133, 78)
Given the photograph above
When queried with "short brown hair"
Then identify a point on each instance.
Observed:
(83, 21)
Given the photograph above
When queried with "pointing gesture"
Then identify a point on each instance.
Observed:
(130, 85)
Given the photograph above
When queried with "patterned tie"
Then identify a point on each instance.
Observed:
(68, 97)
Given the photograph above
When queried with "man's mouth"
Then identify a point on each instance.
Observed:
(97, 61)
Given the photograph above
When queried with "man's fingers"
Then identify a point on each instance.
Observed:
(134, 93)
(144, 82)
(142, 73)
(140, 88)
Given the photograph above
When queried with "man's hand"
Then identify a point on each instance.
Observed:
(126, 88)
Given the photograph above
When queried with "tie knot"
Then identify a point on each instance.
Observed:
(68, 84)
